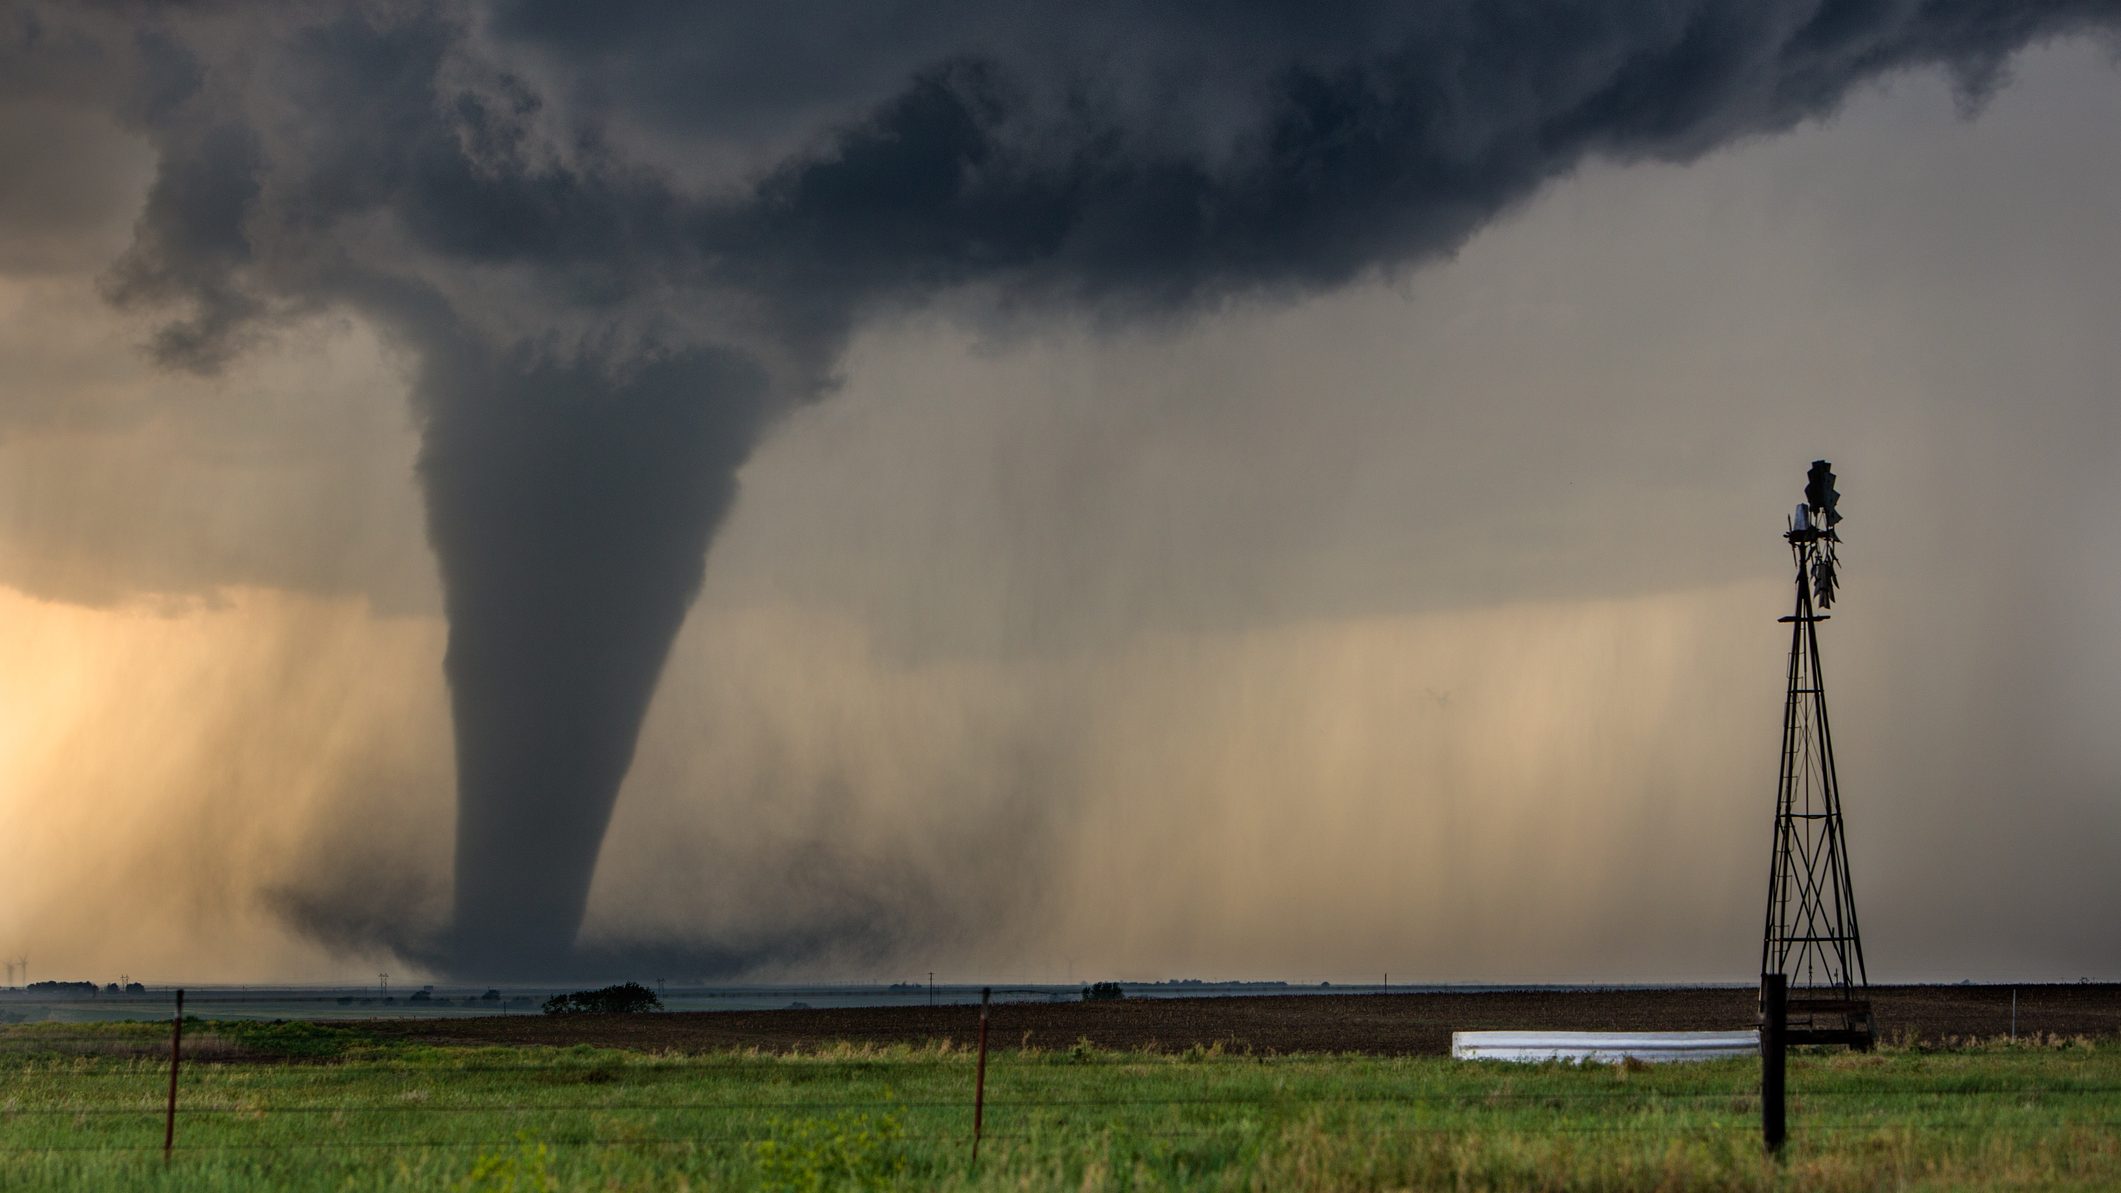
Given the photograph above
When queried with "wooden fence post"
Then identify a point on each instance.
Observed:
(176, 1050)
(979, 1084)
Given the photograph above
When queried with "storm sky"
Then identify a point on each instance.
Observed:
(1231, 494)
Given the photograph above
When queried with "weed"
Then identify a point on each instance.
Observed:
(288, 1038)
(526, 1169)
(846, 1151)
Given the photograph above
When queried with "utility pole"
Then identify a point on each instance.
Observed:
(931, 987)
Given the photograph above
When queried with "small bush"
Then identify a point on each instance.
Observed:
(625, 999)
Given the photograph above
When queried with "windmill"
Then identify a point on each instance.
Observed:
(1811, 936)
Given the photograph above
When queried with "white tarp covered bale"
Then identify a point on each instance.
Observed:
(1604, 1047)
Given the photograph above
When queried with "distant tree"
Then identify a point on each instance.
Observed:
(490, 996)
(1103, 992)
(626, 999)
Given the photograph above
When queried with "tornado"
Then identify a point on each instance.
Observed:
(570, 506)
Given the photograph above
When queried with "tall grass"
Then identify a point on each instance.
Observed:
(286, 1107)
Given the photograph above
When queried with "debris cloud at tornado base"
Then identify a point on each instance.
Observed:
(617, 255)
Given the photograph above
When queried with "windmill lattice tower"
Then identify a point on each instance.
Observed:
(1811, 936)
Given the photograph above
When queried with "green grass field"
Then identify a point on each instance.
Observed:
(303, 1106)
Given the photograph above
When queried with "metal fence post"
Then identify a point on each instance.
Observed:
(979, 1083)
(176, 1049)
(1774, 1048)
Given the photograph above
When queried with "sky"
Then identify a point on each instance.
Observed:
(802, 494)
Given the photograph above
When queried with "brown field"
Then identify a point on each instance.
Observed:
(1383, 1024)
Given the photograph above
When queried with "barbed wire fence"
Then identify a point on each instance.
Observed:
(1026, 1107)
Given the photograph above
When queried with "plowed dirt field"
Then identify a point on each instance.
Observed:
(1385, 1024)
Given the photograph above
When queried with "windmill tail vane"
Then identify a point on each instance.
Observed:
(1811, 935)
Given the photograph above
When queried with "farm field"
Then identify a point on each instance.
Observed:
(1418, 1023)
(308, 1106)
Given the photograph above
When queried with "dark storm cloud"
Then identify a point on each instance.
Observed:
(528, 197)
(1369, 140)
(192, 250)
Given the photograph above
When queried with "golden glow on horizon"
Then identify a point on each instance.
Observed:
(1442, 792)
(165, 771)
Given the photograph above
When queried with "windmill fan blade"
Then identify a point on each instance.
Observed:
(1820, 494)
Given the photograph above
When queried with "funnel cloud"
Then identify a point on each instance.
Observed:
(571, 511)
(614, 244)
